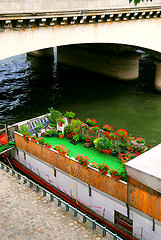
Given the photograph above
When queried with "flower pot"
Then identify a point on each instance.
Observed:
(64, 154)
(74, 141)
(114, 153)
(103, 171)
(69, 136)
(60, 124)
(34, 140)
(55, 134)
(115, 177)
(39, 134)
(60, 136)
(106, 151)
(47, 146)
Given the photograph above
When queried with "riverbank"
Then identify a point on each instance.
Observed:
(26, 215)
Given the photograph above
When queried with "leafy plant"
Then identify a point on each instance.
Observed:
(39, 126)
(24, 129)
(61, 148)
(60, 133)
(102, 143)
(138, 1)
(114, 172)
(70, 114)
(83, 160)
(91, 122)
(60, 120)
(75, 126)
(49, 132)
(67, 129)
(54, 114)
(103, 168)
(76, 137)
(94, 129)
(108, 128)
(41, 141)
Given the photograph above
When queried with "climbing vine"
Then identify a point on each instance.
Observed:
(138, 1)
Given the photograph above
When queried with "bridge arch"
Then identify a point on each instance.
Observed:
(143, 33)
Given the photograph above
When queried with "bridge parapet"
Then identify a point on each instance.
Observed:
(24, 7)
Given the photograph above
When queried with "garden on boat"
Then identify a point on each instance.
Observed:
(102, 148)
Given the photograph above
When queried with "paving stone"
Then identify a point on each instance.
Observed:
(26, 215)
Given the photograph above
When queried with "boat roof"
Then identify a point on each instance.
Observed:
(146, 168)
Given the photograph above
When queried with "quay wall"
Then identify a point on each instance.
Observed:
(92, 177)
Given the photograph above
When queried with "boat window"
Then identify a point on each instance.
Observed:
(123, 221)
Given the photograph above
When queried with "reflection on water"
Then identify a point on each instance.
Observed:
(30, 86)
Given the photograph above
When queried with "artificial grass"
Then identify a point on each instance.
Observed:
(92, 152)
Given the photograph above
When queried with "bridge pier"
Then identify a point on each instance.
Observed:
(158, 76)
(123, 66)
(42, 53)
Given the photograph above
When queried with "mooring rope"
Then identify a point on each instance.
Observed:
(72, 182)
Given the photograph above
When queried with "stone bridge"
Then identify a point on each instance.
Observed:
(29, 25)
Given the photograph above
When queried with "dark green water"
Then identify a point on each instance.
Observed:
(30, 86)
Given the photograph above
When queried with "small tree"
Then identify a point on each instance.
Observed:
(138, 1)
(54, 114)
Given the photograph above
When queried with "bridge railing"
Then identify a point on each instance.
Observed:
(48, 6)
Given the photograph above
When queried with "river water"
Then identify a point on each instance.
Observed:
(29, 86)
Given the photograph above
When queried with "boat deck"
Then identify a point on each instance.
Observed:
(92, 152)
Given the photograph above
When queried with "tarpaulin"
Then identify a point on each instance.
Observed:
(3, 138)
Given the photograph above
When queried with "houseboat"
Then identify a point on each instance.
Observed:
(132, 209)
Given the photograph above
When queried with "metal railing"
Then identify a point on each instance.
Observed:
(60, 201)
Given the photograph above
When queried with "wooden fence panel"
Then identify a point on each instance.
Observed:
(144, 199)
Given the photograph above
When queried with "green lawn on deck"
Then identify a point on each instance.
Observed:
(92, 153)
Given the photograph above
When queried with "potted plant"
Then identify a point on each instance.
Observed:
(48, 145)
(94, 165)
(83, 160)
(60, 134)
(55, 133)
(91, 122)
(75, 139)
(68, 132)
(49, 132)
(103, 145)
(70, 115)
(115, 174)
(53, 115)
(41, 141)
(61, 149)
(60, 121)
(24, 130)
(84, 126)
(38, 128)
(108, 128)
(103, 168)
(138, 141)
(94, 129)
(27, 137)
(75, 126)
(34, 139)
